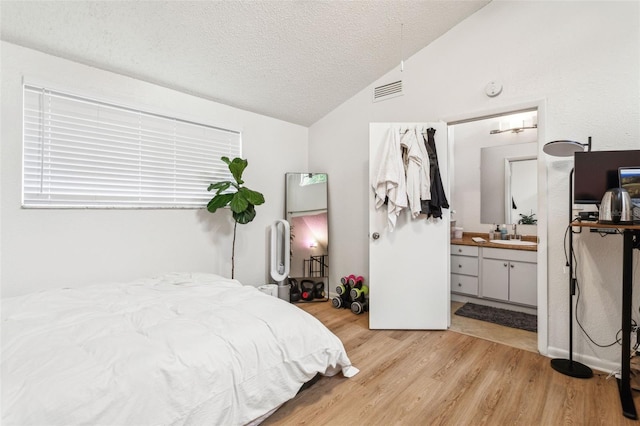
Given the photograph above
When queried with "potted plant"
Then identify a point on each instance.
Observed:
(239, 198)
(528, 219)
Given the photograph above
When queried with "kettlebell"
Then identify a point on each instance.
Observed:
(294, 291)
(307, 287)
(318, 290)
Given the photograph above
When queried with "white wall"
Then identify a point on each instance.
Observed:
(53, 248)
(582, 59)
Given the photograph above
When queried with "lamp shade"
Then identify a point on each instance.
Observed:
(563, 148)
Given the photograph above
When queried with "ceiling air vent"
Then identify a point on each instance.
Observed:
(387, 91)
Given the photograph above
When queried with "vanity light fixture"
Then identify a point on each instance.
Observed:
(569, 367)
(514, 130)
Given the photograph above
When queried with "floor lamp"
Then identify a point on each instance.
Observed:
(569, 367)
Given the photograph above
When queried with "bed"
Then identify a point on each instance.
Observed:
(176, 349)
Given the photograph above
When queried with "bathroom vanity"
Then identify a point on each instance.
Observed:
(500, 272)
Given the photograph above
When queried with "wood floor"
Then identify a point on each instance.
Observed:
(448, 378)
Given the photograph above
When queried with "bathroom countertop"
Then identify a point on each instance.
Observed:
(467, 241)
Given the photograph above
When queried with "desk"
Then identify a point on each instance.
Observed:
(631, 239)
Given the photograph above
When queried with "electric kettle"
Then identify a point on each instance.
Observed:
(616, 207)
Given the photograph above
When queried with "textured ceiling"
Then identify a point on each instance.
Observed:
(292, 60)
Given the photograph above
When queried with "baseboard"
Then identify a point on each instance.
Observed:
(590, 361)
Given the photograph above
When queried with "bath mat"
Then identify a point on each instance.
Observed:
(499, 316)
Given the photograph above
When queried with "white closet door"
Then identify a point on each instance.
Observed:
(409, 280)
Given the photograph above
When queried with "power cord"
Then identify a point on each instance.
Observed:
(577, 284)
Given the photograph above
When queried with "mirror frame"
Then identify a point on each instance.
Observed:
(508, 185)
(321, 238)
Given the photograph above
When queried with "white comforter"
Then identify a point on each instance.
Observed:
(179, 349)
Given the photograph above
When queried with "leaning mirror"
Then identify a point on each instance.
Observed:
(306, 212)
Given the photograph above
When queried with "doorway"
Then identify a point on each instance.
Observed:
(517, 338)
(522, 124)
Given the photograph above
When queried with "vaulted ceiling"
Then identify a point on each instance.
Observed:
(292, 60)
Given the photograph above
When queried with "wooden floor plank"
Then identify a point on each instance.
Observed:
(415, 377)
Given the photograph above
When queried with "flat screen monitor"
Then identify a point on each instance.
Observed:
(597, 171)
(630, 180)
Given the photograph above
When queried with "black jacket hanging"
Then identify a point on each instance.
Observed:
(438, 201)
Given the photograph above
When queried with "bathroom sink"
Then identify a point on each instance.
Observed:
(515, 242)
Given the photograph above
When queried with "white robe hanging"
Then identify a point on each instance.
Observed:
(416, 165)
(425, 183)
(388, 178)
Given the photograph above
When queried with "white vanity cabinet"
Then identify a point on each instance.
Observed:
(464, 269)
(509, 275)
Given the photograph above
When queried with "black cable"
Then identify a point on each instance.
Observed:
(618, 339)
(566, 257)
(575, 266)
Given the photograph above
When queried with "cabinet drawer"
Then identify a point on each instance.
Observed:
(464, 250)
(519, 255)
(464, 265)
(464, 284)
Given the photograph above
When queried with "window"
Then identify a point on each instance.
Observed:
(79, 152)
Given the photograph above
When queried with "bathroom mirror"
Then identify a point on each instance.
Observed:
(306, 212)
(508, 183)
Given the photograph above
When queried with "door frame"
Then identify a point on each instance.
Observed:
(542, 230)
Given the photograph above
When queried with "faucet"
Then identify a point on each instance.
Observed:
(515, 235)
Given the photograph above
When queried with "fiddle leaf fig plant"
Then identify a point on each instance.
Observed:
(241, 200)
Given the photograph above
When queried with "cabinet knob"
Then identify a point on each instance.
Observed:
(504, 264)
(459, 266)
(459, 285)
(512, 265)
(459, 250)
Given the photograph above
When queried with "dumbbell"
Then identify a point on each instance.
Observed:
(358, 294)
(344, 298)
(338, 302)
(360, 307)
(356, 281)
(345, 285)
(345, 280)
(343, 289)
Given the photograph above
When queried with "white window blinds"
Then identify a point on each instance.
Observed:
(80, 152)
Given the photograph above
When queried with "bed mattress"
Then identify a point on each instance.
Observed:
(171, 350)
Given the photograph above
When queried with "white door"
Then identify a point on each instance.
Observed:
(409, 280)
